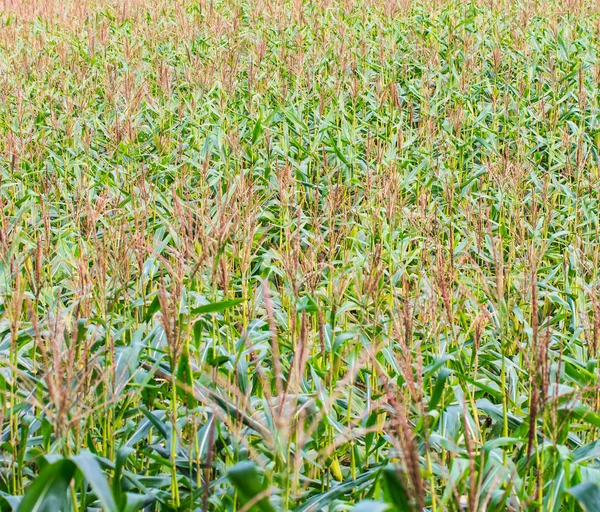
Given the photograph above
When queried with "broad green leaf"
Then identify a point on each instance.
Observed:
(9, 503)
(48, 492)
(395, 491)
(321, 500)
(216, 307)
(91, 470)
(587, 452)
(117, 485)
(135, 502)
(588, 495)
(583, 412)
(249, 483)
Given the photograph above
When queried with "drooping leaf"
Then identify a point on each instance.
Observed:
(48, 492)
(9, 503)
(587, 495)
(587, 452)
(117, 485)
(91, 470)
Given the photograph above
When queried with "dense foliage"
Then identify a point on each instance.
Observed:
(286, 255)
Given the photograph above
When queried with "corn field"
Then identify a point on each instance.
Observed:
(310, 255)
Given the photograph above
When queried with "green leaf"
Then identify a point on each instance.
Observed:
(185, 381)
(135, 502)
(48, 492)
(370, 506)
(495, 411)
(215, 307)
(156, 422)
(139, 482)
(395, 491)
(215, 360)
(319, 501)
(501, 442)
(371, 422)
(249, 483)
(438, 389)
(117, 484)
(257, 130)
(152, 308)
(585, 413)
(9, 503)
(587, 495)
(587, 452)
(308, 304)
(89, 466)
(577, 372)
